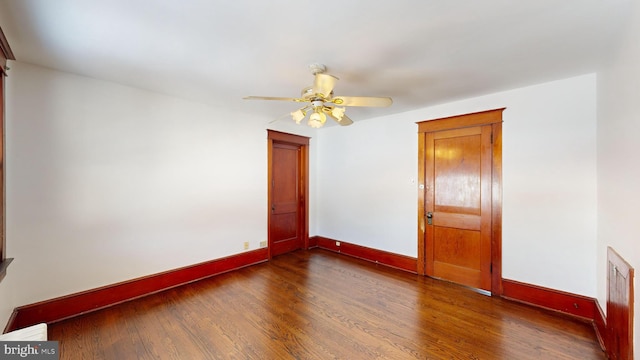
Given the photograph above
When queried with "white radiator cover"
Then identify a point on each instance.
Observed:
(32, 333)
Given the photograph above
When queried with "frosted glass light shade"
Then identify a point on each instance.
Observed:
(317, 119)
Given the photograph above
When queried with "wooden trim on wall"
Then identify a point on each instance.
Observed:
(422, 226)
(313, 241)
(600, 326)
(287, 138)
(3, 264)
(579, 306)
(462, 121)
(5, 52)
(402, 262)
(496, 210)
(53, 310)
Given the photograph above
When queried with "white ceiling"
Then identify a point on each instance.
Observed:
(418, 52)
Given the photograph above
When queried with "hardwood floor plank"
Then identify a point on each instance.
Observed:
(321, 305)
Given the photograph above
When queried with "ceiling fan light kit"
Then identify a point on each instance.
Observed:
(321, 101)
(317, 119)
(298, 115)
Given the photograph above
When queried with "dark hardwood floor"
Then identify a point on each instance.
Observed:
(320, 305)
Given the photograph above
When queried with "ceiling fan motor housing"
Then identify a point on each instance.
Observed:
(308, 94)
(316, 68)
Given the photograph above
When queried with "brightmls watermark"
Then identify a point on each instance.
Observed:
(39, 350)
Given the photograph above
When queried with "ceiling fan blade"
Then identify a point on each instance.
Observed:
(344, 119)
(280, 118)
(362, 101)
(324, 84)
(303, 112)
(272, 98)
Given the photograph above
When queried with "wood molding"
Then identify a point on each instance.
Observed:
(422, 148)
(57, 309)
(5, 52)
(4, 262)
(461, 121)
(600, 326)
(579, 306)
(496, 209)
(402, 262)
(313, 241)
(288, 138)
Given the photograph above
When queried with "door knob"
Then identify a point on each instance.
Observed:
(429, 218)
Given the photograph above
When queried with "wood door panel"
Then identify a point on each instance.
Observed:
(284, 227)
(457, 210)
(284, 207)
(457, 247)
(458, 221)
(285, 173)
(457, 173)
(458, 274)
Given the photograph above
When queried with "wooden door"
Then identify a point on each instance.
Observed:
(288, 230)
(458, 232)
(619, 338)
(458, 203)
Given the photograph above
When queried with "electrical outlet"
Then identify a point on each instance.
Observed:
(246, 245)
(263, 243)
(337, 243)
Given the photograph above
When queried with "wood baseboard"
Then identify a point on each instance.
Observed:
(393, 260)
(313, 242)
(579, 306)
(57, 309)
(600, 326)
(53, 310)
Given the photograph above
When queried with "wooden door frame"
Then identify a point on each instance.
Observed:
(5, 54)
(489, 117)
(303, 176)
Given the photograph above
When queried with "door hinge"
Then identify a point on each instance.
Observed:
(491, 268)
(492, 138)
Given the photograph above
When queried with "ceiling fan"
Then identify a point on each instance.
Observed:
(320, 101)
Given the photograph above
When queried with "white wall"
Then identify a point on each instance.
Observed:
(366, 196)
(107, 183)
(618, 160)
